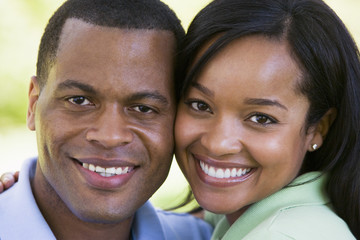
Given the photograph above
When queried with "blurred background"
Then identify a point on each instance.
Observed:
(21, 26)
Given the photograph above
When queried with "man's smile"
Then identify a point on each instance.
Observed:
(109, 171)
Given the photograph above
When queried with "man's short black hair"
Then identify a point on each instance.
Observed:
(123, 14)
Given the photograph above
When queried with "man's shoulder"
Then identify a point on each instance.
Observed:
(20, 217)
(11, 197)
(21, 189)
(7, 197)
(9, 205)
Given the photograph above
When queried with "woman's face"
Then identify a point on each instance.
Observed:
(240, 129)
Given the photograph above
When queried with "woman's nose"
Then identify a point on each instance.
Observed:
(223, 137)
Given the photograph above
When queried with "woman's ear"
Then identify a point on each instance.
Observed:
(34, 92)
(321, 129)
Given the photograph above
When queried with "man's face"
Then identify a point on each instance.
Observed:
(104, 119)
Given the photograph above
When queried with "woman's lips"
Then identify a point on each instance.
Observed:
(215, 173)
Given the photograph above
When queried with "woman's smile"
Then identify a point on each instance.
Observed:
(220, 173)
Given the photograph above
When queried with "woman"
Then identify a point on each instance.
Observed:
(267, 130)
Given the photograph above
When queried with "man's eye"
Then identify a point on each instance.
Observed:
(79, 100)
(200, 106)
(143, 109)
(262, 119)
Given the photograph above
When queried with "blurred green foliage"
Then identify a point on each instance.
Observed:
(21, 26)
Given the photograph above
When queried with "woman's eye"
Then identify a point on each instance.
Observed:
(80, 100)
(200, 106)
(261, 119)
(143, 109)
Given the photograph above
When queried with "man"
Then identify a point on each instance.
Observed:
(103, 107)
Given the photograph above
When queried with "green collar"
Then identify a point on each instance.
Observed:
(304, 190)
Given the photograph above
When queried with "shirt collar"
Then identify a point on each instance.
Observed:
(146, 224)
(306, 189)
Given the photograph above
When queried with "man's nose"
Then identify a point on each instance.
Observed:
(110, 129)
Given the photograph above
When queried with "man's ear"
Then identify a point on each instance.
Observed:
(321, 129)
(34, 91)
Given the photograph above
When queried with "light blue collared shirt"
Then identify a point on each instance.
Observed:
(20, 217)
(151, 223)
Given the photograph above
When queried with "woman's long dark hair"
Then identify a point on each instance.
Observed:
(329, 59)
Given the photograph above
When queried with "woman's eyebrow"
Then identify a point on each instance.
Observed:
(251, 101)
(203, 89)
(264, 102)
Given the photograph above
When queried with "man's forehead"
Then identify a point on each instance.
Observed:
(121, 58)
(74, 29)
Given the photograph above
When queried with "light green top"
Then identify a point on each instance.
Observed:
(301, 212)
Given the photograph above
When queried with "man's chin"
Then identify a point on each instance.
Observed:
(101, 217)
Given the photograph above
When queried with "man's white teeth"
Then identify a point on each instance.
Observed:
(106, 172)
(223, 172)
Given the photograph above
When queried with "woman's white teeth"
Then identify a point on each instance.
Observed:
(223, 172)
(106, 172)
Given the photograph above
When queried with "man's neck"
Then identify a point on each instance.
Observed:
(64, 224)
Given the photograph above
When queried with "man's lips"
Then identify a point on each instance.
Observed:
(105, 173)
(108, 171)
(101, 164)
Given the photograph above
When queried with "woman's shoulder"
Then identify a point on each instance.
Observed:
(303, 222)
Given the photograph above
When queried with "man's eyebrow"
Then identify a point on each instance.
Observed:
(264, 102)
(155, 95)
(68, 84)
(203, 89)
